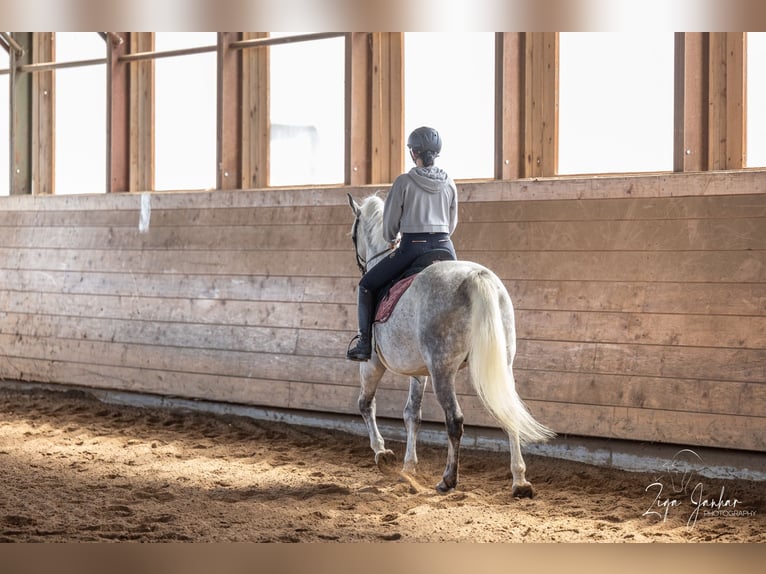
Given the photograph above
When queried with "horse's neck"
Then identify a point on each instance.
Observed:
(375, 243)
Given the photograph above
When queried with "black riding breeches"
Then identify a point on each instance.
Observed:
(412, 246)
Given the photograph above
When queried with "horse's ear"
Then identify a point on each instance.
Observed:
(354, 205)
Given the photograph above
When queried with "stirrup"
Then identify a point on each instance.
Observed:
(356, 354)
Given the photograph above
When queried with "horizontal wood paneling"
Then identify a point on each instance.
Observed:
(641, 301)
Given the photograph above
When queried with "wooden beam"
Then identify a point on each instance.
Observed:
(118, 113)
(229, 122)
(43, 113)
(727, 131)
(141, 135)
(256, 117)
(387, 145)
(509, 105)
(690, 146)
(358, 107)
(541, 104)
(21, 117)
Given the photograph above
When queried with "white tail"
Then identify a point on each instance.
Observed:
(491, 374)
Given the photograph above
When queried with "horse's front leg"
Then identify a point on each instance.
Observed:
(370, 373)
(412, 419)
(520, 488)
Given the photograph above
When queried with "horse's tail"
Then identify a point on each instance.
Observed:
(488, 360)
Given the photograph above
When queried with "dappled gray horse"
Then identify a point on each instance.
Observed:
(454, 313)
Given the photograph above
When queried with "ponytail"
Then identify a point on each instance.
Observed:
(427, 157)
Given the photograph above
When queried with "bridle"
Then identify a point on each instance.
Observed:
(361, 262)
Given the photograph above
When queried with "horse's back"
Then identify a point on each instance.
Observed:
(432, 318)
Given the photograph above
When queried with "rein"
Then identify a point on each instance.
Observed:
(361, 263)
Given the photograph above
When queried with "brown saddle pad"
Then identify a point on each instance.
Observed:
(388, 303)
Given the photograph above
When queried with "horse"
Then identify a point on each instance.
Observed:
(454, 314)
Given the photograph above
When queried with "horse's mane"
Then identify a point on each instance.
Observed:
(372, 219)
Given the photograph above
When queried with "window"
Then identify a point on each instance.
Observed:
(449, 84)
(756, 96)
(80, 116)
(615, 102)
(307, 98)
(185, 113)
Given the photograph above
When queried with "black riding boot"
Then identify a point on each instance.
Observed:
(363, 348)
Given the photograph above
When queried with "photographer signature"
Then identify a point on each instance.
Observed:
(672, 491)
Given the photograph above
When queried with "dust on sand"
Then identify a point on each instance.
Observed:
(77, 469)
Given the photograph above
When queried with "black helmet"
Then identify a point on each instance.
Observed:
(425, 139)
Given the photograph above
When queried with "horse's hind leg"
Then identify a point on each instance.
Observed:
(444, 387)
(370, 374)
(520, 488)
(412, 418)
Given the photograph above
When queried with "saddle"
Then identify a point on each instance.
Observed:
(390, 295)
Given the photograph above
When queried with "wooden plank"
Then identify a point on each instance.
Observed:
(197, 286)
(229, 150)
(256, 118)
(634, 209)
(727, 101)
(541, 104)
(20, 125)
(204, 311)
(141, 136)
(387, 146)
(43, 93)
(690, 147)
(651, 236)
(118, 112)
(509, 104)
(657, 393)
(642, 328)
(358, 108)
(702, 363)
(261, 263)
(676, 267)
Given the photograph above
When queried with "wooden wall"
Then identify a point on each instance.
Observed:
(641, 301)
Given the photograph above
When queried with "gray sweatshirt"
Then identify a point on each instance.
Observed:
(421, 201)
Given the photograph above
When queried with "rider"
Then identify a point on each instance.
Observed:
(422, 205)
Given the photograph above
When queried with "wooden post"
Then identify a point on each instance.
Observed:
(141, 135)
(118, 113)
(727, 148)
(256, 120)
(387, 145)
(43, 110)
(541, 104)
(229, 113)
(509, 105)
(21, 117)
(690, 146)
(358, 98)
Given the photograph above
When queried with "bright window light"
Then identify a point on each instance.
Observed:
(615, 102)
(185, 113)
(80, 117)
(449, 84)
(307, 112)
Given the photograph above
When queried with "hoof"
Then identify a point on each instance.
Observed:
(523, 491)
(385, 457)
(444, 488)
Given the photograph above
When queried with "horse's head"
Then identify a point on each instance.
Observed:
(366, 233)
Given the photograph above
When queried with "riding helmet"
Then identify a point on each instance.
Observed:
(425, 139)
